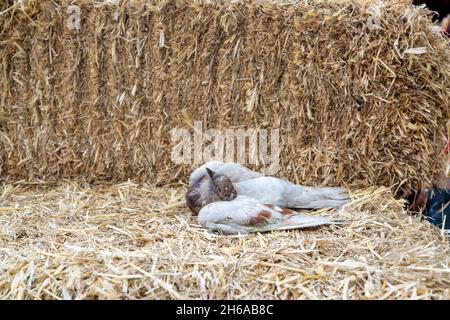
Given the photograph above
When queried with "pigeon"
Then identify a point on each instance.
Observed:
(273, 190)
(209, 188)
(244, 215)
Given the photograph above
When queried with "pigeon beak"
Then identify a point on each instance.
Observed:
(210, 172)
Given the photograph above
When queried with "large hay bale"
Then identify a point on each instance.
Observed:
(353, 105)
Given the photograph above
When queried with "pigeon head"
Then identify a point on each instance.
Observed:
(222, 186)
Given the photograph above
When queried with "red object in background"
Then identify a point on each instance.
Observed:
(446, 25)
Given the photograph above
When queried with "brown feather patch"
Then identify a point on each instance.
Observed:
(260, 218)
(287, 211)
(283, 211)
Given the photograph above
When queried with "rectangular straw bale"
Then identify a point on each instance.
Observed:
(355, 101)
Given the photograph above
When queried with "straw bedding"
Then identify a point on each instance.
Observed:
(355, 105)
(132, 241)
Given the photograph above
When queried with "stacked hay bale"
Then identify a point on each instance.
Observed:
(359, 92)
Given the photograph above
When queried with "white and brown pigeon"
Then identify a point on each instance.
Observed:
(254, 203)
(273, 190)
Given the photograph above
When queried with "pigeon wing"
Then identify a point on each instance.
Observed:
(235, 171)
(286, 194)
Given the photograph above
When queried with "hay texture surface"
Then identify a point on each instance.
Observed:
(359, 92)
(130, 241)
